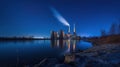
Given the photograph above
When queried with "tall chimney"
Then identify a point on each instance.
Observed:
(69, 29)
(74, 30)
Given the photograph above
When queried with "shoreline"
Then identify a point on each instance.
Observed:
(97, 56)
(110, 39)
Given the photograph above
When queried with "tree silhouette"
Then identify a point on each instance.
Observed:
(113, 29)
(119, 29)
(103, 33)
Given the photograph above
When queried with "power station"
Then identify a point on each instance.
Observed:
(62, 35)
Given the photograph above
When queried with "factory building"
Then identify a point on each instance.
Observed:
(62, 35)
(54, 35)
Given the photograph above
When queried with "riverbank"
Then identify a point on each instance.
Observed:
(102, 56)
(109, 39)
(97, 56)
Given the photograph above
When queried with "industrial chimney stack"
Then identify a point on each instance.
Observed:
(74, 30)
(68, 29)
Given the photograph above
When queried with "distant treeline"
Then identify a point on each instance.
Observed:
(16, 38)
(21, 38)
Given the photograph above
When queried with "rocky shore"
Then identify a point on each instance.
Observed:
(102, 56)
(97, 56)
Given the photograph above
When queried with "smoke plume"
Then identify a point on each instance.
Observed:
(59, 16)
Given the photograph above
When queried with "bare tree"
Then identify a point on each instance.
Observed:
(112, 29)
(103, 33)
(119, 29)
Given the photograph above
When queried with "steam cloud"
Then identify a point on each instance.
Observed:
(59, 17)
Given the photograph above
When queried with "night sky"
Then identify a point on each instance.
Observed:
(34, 17)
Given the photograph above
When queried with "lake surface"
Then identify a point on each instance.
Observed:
(21, 53)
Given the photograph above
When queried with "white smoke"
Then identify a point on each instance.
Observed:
(59, 17)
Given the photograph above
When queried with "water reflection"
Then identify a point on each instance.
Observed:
(70, 44)
(23, 53)
(72, 47)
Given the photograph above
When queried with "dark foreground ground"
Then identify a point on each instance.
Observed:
(98, 56)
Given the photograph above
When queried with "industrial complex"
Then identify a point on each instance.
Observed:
(63, 35)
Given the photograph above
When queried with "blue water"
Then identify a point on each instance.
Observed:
(22, 53)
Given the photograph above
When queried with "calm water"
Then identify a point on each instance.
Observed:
(17, 53)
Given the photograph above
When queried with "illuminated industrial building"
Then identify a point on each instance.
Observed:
(62, 35)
